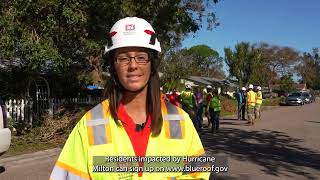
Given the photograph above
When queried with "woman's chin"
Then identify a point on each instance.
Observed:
(134, 87)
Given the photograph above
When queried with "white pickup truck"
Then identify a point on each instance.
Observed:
(5, 133)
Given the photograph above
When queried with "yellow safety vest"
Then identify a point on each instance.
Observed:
(259, 98)
(251, 98)
(97, 134)
(187, 98)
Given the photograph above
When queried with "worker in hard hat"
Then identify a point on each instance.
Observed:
(133, 121)
(257, 110)
(174, 98)
(244, 103)
(207, 99)
(240, 98)
(199, 97)
(251, 103)
(188, 102)
(215, 109)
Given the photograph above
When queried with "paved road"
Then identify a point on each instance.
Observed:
(285, 144)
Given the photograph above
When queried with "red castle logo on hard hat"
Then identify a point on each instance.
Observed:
(130, 27)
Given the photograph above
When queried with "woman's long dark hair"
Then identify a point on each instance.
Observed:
(114, 91)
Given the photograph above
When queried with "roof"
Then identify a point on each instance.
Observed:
(211, 81)
(299, 86)
(199, 79)
(295, 86)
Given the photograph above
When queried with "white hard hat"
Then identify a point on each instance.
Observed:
(132, 32)
(250, 86)
(188, 86)
(161, 88)
(243, 88)
(209, 87)
(259, 88)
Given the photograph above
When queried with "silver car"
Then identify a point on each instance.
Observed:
(295, 98)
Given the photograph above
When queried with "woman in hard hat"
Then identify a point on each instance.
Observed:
(133, 121)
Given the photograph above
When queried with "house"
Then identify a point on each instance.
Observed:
(297, 87)
(223, 85)
(300, 87)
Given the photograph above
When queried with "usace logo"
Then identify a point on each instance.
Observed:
(130, 27)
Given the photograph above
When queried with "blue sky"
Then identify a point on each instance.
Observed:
(293, 23)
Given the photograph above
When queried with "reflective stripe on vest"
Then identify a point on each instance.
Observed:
(259, 97)
(98, 126)
(173, 120)
(65, 172)
(172, 178)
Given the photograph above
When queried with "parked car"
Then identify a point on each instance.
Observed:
(5, 133)
(312, 97)
(309, 98)
(295, 98)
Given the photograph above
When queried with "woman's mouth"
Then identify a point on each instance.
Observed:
(134, 77)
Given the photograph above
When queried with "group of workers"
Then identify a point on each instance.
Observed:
(195, 101)
(249, 101)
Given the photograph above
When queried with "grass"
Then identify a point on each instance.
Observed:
(25, 144)
(272, 102)
(229, 106)
(51, 134)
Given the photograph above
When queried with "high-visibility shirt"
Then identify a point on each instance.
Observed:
(251, 98)
(187, 98)
(215, 103)
(259, 97)
(97, 134)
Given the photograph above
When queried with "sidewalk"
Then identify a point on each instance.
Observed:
(32, 166)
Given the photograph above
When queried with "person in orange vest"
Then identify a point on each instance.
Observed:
(133, 122)
(251, 103)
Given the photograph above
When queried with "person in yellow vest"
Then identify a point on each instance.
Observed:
(188, 102)
(257, 109)
(133, 122)
(214, 110)
(251, 103)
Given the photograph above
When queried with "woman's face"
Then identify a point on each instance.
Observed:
(133, 67)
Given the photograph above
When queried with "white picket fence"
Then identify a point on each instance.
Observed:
(55, 103)
(20, 110)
